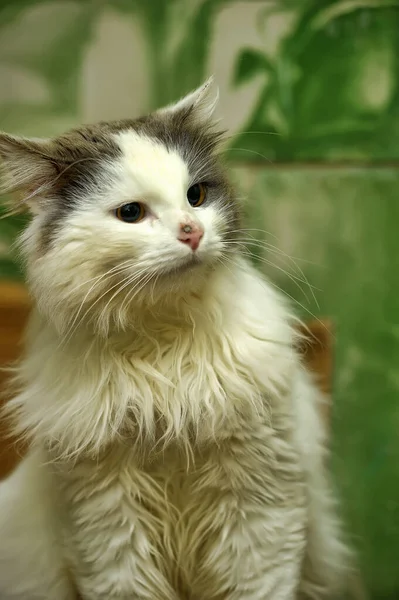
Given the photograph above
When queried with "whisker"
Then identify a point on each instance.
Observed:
(122, 285)
(275, 249)
(130, 281)
(108, 273)
(263, 231)
(309, 312)
(254, 132)
(77, 324)
(301, 272)
(293, 278)
(111, 271)
(136, 289)
(242, 244)
(252, 152)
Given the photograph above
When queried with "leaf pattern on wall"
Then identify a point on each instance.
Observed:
(333, 87)
(337, 229)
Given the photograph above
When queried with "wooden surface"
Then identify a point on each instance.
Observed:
(317, 349)
(14, 309)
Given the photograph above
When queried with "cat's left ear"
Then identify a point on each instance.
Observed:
(199, 104)
(26, 171)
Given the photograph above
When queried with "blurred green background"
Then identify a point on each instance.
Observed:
(310, 94)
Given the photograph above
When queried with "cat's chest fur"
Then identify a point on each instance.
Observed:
(196, 386)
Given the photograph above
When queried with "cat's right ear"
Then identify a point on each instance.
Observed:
(198, 105)
(26, 172)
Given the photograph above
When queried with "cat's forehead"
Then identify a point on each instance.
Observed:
(148, 164)
(150, 150)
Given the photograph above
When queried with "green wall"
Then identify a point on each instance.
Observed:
(310, 90)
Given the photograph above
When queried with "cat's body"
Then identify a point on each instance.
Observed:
(177, 447)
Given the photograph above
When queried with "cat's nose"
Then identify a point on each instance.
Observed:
(190, 234)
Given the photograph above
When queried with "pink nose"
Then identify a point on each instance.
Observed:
(190, 234)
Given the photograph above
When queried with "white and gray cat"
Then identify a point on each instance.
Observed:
(176, 446)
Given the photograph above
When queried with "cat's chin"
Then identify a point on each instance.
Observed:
(189, 263)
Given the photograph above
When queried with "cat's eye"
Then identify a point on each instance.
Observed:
(131, 213)
(196, 194)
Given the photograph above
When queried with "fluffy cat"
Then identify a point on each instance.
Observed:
(176, 449)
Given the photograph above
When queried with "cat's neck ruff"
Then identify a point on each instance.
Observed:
(213, 303)
(234, 352)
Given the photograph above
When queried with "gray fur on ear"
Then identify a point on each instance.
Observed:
(201, 102)
(25, 169)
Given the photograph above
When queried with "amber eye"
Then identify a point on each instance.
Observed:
(130, 213)
(196, 194)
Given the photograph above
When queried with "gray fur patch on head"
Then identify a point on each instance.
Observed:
(69, 167)
(78, 158)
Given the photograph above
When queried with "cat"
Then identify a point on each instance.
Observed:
(176, 447)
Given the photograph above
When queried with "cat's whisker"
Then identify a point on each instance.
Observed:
(133, 292)
(125, 300)
(293, 278)
(101, 279)
(234, 136)
(153, 287)
(130, 281)
(252, 239)
(245, 252)
(294, 300)
(275, 249)
(122, 285)
(224, 260)
(143, 283)
(243, 245)
(268, 233)
(252, 152)
(251, 229)
(114, 269)
(76, 324)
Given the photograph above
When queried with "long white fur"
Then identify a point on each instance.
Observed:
(177, 445)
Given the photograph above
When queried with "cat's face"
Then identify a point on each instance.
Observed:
(124, 214)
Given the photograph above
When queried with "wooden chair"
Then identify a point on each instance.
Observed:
(14, 310)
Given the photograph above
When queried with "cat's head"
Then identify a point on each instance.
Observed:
(124, 214)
